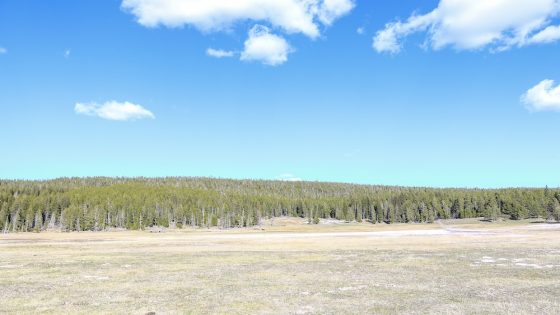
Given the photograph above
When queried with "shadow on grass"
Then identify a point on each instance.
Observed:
(492, 220)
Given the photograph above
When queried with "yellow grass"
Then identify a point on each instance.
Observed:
(287, 267)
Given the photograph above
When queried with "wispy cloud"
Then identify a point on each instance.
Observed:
(468, 24)
(114, 111)
(67, 53)
(548, 35)
(544, 96)
(219, 53)
(3, 50)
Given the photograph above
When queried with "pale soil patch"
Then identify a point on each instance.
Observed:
(331, 221)
(542, 226)
(517, 262)
(290, 235)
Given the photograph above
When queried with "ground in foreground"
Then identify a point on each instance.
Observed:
(457, 267)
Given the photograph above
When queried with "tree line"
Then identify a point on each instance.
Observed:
(79, 204)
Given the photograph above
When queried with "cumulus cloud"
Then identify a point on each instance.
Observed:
(468, 24)
(542, 97)
(289, 178)
(3, 50)
(307, 17)
(265, 47)
(114, 110)
(219, 53)
(294, 16)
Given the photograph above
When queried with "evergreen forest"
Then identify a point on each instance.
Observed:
(95, 204)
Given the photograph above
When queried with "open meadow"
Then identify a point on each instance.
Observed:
(287, 267)
(279, 157)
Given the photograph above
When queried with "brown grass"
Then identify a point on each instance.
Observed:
(287, 268)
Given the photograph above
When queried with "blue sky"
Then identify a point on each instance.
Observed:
(426, 104)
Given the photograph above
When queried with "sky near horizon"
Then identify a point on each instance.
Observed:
(444, 93)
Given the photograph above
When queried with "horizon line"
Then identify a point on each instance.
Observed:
(50, 179)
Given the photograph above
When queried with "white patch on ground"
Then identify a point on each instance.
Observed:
(487, 259)
(331, 221)
(290, 235)
(461, 231)
(383, 285)
(305, 310)
(536, 266)
(97, 277)
(360, 287)
(11, 266)
(519, 262)
(541, 226)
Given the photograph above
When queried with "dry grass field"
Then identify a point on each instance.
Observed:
(287, 267)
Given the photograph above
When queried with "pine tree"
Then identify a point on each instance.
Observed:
(554, 210)
(492, 212)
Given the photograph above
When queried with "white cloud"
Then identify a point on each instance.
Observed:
(360, 30)
(114, 110)
(548, 35)
(387, 40)
(468, 24)
(219, 53)
(67, 53)
(289, 178)
(3, 50)
(306, 17)
(265, 47)
(542, 97)
(330, 10)
(294, 16)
